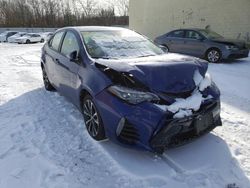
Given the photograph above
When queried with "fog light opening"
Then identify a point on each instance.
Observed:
(120, 126)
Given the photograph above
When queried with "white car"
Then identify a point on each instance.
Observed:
(5, 35)
(13, 38)
(46, 35)
(30, 38)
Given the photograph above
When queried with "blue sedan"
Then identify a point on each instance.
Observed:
(128, 89)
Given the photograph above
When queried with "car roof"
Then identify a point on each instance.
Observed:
(185, 29)
(95, 28)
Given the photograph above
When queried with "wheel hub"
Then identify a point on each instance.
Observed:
(213, 56)
(91, 118)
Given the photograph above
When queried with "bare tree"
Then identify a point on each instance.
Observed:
(57, 13)
(122, 7)
(88, 7)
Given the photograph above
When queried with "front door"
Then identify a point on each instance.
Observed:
(193, 44)
(67, 69)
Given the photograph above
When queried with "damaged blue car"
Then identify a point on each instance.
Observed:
(128, 89)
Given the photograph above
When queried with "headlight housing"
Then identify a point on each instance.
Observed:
(132, 96)
(231, 47)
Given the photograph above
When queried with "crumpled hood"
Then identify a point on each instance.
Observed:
(169, 73)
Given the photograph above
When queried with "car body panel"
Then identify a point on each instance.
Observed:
(150, 70)
(165, 75)
(13, 38)
(31, 37)
(199, 47)
(5, 35)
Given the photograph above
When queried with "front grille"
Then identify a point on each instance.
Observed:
(177, 132)
(129, 134)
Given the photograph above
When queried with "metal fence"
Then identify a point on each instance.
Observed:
(28, 30)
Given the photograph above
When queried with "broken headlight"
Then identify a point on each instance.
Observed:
(131, 95)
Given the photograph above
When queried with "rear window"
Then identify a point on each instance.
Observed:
(55, 42)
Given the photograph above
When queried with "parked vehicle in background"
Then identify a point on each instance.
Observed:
(204, 44)
(49, 36)
(128, 89)
(46, 35)
(30, 38)
(5, 35)
(13, 38)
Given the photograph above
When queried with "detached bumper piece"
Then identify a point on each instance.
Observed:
(177, 132)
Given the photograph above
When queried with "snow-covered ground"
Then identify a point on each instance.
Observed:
(44, 144)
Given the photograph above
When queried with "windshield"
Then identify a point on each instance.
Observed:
(118, 44)
(210, 34)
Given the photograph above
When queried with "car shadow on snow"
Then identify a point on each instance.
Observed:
(207, 157)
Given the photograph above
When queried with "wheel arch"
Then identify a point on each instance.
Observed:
(83, 92)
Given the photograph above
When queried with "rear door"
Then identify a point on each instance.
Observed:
(175, 41)
(67, 70)
(51, 56)
(194, 43)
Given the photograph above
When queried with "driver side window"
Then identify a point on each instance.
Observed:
(70, 44)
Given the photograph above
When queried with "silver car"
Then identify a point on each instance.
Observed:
(204, 44)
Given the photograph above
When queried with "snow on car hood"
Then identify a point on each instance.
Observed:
(170, 73)
(185, 107)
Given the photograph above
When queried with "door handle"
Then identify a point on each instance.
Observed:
(57, 61)
(61, 64)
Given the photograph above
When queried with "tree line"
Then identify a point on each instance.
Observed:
(59, 13)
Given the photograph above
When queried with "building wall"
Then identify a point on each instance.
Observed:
(230, 18)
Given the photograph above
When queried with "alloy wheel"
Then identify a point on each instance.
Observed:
(213, 56)
(91, 118)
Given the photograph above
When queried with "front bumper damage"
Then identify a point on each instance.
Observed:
(177, 132)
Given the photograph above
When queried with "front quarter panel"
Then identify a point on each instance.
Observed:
(92, 79)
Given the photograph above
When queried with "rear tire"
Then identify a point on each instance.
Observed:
(27, 41)
(47, 84)
(92, 119)
(42, 40)
(213, 55)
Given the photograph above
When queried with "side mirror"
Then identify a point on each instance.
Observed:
(164, 48)
(73, 56)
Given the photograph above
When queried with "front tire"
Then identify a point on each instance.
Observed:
(46, 81)
(213, 55)
(92, 119)
(27, 41)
